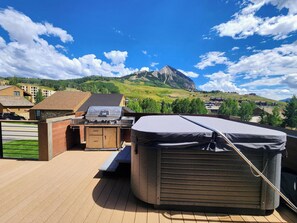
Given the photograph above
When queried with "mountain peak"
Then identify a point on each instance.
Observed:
(166, 76)
(167, 69)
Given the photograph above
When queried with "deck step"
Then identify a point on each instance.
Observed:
(117, 157)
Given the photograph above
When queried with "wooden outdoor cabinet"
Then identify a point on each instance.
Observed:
(102, 137)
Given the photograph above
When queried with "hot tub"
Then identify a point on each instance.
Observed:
(176, 163)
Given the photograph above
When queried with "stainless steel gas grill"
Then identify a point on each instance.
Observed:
(105, 127)
(104, 114)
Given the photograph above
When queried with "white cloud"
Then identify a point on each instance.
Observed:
(23, 30)
(290, 80)
(235, 48)
(272, 68)
(277, 61)
(144, 52)
(206, 37)
(29, 55)
(289, 4)
(116, 56)
(222, 82)
(145, 69)
(64, 36)
(250, 47)
(2, 42)
(266, 81)
(275, 93)
(245, 23)
(154, 64)
(189, 73)
(211, 59)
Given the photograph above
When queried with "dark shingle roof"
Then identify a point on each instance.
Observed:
(102, 100)
(63, 100)
(14, 101)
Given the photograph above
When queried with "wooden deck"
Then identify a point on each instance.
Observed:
(69, 189)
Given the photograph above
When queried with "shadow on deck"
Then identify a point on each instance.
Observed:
(113, 192)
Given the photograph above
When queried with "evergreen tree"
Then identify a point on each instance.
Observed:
(149, 105)
(263, 117)
(197, 106)
(39, 97)
(13, 81)
(134, 105)
(273, 119)
(181, 106)
(229, 107)
(246, 111)
(291, 113)
(165, 108)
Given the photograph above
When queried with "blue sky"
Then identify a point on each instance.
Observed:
(244, 46)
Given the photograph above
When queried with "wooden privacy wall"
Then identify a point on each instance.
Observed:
(55, 137)
(61, 137)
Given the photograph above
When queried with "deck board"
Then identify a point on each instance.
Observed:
(130, 209)
(118, 212)
(200, 217)
(70, 189)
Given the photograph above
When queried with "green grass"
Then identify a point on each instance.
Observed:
(21, 149)
(141, 90)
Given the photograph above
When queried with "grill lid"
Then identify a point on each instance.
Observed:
(104, 113)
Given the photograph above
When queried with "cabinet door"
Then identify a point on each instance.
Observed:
(94, 142)
(95, 131)
(110, 137)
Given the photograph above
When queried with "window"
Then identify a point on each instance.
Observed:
(16, 93)
(37, 114)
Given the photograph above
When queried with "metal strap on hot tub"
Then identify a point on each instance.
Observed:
(247, 161)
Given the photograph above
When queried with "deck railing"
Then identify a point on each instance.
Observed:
(45, 140)
(19, 139)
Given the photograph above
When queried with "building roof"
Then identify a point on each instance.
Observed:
(102, 100)
(14, 101)
(2, 87)
(63, 100)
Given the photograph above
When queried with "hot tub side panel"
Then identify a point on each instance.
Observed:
(198, 178)
(207, 179)
(144, 173)
(270, 199)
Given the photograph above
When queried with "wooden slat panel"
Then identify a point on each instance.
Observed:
(192, 177)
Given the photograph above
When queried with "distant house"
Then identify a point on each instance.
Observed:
(10, 90)
(264, 109)
(59, 104)
(17, 104)
(34, 89)
(103, 100)
(73, 102)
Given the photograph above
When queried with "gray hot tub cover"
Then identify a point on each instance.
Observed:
(175, 132)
